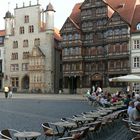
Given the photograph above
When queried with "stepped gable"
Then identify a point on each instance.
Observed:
(125, 8)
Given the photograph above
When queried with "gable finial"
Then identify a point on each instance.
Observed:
(16, 5)
(29, 3)
(8, 5)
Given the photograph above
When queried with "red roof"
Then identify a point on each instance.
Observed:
(125, 8)
(75, 15)
(2, 32)
(136, 18)
(57, 34)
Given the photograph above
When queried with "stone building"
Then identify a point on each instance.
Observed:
(32, 50)
(135, 46)
(2, 52)
(96, 43)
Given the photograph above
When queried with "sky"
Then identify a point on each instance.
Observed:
(63, 9)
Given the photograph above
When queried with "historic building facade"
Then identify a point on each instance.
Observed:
(96, 43)
(32, 50)
(2, 53)
(135, 46)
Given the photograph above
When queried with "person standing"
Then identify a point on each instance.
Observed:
(134, 115)
(10, 92)
(6, 90)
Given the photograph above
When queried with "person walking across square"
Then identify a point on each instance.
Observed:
(6, 90)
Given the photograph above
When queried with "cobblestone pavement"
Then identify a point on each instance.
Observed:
(45, 96)
(29, 111)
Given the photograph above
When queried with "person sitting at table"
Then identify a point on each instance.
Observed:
(135, 113)
(103, 101)
(136, 101)
(130, 107)
(127, 100)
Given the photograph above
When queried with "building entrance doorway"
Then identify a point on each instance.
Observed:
(25, 82)
(72, 84)
(97, 81)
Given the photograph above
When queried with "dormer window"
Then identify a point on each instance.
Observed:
(138, 26)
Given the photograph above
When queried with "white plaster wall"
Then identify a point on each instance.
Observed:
(134, 53)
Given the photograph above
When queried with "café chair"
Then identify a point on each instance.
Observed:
(126, 122)
(7, 133)
(136, 138)
(77, 134)
(64, 120)
(50, 132)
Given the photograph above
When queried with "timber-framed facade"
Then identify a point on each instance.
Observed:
(102, 32)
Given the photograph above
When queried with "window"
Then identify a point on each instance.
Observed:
(15, 44)
(136, 62)
(21, 30)
(110, 33)
(37, 42)
(116, 32)
(111, 64)
(14, 56)
(70, 37)
(25, 66)
(124, 31)
(117, 48)
(31, 29)
(66, 51)
(1, 40)
(25, 43)
(15, 81)
(136, 44)
(25, 55)
(118, 64)
(26, 19)
(14, 67)
(64, 37)
(136, 87)
(77, 36)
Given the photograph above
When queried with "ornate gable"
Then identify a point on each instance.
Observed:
(86, 3)
(116, 19)
(69, 26)
(36, 52)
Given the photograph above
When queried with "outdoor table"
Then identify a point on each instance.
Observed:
(135, 124)
(92, 123)
(25, 135)
(82, 120)
(91, 115)
(67, 126)
(135, 130)
(79, 129)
